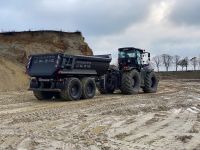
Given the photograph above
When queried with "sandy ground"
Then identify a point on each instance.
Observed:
(169, 119)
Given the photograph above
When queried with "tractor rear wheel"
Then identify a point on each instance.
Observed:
(88, 88)
(150, 83)
(43, 95)
(72, 90)
(106, 88)
(130, 83)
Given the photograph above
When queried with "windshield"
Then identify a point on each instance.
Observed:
(127, 54)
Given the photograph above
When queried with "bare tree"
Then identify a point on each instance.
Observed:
(194, 62)
(157, 61)
(186, 60)
(183, 63)
(199, 62)
(176, 61)
(167, 61)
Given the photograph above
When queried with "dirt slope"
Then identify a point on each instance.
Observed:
(169, 119)
(15, 47)
(12, 76)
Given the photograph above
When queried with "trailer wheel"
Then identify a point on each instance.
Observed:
(72, 90)
(88, 88)
(43, 95)
(130, 83)
(150, 83)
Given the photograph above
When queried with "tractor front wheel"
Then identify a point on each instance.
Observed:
(150, 83)
(130, 83)
(106, 88)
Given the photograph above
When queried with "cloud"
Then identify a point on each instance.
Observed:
(93, 17)
(156, 34)
(185, 12)
(164, 26)
(97, 17)
(165, 39)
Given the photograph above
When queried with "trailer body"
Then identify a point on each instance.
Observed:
(51, 74)
(50, 65)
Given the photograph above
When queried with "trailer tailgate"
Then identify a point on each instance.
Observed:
(43, 65)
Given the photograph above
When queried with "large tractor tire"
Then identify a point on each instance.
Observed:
(72, 90)
(150, 83)
(130, 83)
(43, 95)
(109, 88)
(88, 88)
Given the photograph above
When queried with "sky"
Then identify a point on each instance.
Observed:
(158, 26)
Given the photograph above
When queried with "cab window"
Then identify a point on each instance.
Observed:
(127, 54)
(139, 60)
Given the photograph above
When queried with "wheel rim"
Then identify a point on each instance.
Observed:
(90, 89)
(75, 90)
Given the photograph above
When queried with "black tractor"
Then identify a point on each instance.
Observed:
(132, 73)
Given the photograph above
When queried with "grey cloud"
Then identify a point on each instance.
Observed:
(109, 24)
(94, 17)
(176, 46)
(185, 12)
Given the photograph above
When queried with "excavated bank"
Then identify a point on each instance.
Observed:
(15, 47)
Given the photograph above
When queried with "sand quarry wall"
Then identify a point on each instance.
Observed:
(15, 47)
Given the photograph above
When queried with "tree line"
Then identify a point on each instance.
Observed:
(167, 61)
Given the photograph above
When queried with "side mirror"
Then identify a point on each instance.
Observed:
(149, 56)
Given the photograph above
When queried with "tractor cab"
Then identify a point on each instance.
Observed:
(130, 58)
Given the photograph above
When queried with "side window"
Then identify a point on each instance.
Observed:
(131, 54)
(121, 54)
(139, 58)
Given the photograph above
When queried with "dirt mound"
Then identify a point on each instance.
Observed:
(15, 47)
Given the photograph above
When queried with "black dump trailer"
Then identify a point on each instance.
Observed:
(66, 76)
